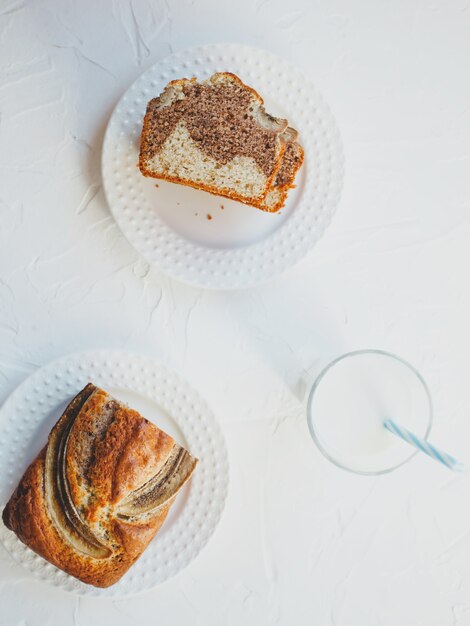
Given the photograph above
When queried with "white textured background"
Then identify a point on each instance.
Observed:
(301, 542)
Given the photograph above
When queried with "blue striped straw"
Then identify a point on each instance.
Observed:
(423, 445)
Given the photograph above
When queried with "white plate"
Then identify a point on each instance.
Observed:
(161, 396)
(240, 246)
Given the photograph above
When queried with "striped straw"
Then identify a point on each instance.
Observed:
(423, 445)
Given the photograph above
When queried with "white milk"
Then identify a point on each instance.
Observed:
(351, 402)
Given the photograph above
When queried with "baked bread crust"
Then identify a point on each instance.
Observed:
(99, 491)
(292, 160)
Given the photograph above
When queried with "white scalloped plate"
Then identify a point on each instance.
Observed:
(162, 397)
(240, 246)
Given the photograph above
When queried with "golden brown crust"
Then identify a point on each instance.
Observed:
(126, 453)
(238, 80)
(283, 190)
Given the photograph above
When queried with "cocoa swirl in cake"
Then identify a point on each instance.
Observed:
(218, 120)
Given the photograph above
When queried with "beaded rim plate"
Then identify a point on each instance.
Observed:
(184, 232)
(160, 395)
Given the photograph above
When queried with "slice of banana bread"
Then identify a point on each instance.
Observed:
(215, 135)
(291, 162)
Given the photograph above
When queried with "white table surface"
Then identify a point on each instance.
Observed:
(301, 542)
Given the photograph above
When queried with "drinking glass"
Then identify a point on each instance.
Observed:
(350, 400)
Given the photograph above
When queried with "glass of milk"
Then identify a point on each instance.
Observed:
(351, 398)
